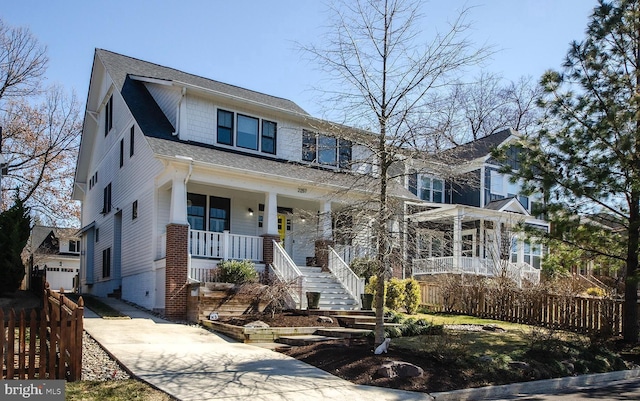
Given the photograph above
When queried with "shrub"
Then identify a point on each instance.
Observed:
(411, 295)
(596, 292)
(417, 327)
(370, 288)
(364, 267)
(395, 294)
(237, 272)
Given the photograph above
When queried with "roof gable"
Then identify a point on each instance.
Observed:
(511, 205)
(121, 67)
(480, 148)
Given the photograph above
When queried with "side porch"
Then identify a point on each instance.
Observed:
(478, 241)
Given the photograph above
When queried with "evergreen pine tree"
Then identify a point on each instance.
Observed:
(14, 233)
(587, 158)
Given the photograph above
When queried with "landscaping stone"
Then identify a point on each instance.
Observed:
(400, 369)
(325, 319)
(258, 324)
(518, 365)
(494, 328)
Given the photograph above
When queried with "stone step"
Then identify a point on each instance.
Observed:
(372, 325)
(305, 339)
(343, 332)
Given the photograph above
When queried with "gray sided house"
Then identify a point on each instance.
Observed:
(177, 172)
(467, 221)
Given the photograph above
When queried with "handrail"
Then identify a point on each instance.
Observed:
(353, 284)
(287, 271)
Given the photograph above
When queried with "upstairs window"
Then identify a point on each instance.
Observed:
(74, 246)
(247, 132)
(121, 153)
(106, 199)
(108, 116)
(269, 129)
(131, 140)
(432, 190)
(225, 127)
(253, 133)
(325, 150)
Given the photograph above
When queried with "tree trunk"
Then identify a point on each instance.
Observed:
(630, 329)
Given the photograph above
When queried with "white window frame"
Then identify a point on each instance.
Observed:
(421, 187)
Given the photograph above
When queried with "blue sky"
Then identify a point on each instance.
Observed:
(251, 43)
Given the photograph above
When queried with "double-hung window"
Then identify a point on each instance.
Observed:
(269, 129)
(225, 127)
(247, 132)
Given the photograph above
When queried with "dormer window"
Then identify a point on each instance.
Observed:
(325, 150)
(247, 132)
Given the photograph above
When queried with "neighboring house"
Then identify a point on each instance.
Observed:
(468, 220)
(177, 172)
(53, 256)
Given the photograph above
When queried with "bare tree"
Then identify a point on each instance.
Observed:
(40, 131)
(23, 62)
(484, 106)
(382, 74)
(40, 146)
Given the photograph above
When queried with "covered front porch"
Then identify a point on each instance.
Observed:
(480, 241)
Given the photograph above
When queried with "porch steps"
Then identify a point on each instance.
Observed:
(333, 295)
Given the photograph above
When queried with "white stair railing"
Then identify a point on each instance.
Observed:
(347, 278)
(287, 272)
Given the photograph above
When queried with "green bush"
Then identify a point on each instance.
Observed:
(596, 292)
(364, 267)
(370, 288)
(395, 294)
(412, 295)
(237, 272)
(418, 327)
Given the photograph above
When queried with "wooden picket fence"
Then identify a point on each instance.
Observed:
(45, 344)
(534, 307)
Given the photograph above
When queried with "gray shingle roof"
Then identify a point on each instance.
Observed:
(120, 66)
(278, 169)
(478, 148)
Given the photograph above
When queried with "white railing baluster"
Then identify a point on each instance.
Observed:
(347, 278)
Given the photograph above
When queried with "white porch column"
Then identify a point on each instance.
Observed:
(178, 211)
(271, 213)
(325, 221)
(457, 240)
(481, 240)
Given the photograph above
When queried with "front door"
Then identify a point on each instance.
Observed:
(284, 226)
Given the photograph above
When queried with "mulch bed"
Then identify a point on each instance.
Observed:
(279, 320)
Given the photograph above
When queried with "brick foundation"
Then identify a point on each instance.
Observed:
(267, 252)
(176, 289)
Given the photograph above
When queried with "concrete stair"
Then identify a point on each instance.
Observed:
(333, 295)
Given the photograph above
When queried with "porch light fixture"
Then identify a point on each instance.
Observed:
(250, 212)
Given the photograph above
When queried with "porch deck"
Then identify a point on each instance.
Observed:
(476, 266)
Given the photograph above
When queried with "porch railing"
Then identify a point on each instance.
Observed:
(225, 245)
(349, 280)
(287, 271)
(479, 266)
(349, 252)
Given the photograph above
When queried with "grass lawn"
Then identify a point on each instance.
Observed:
(99, 307)
(117, 390)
